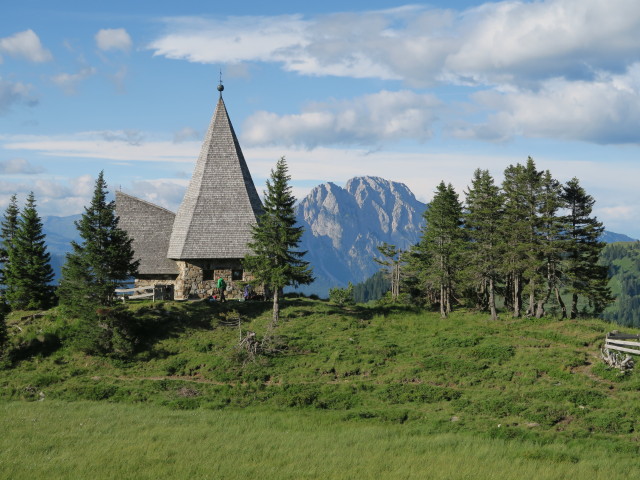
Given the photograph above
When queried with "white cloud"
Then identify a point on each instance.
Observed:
(130, 137)
(15, 93)
(119, 145)
(495, 43)
(53, 197)
(113, 39)
(26, 45)
(606, 110)
(370, 119)
(68, 82)
(16, 166)
(165, 192)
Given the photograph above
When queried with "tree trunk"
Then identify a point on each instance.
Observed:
(563, 307)
(517, 296)
(532, 298)
(492, 300)
(276, 308)
(508, 293)
(574, 305)
(443, 313)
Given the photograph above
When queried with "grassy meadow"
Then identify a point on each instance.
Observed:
(356, 392)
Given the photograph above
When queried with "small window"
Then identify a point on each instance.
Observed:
(207, 274)
(236, 274)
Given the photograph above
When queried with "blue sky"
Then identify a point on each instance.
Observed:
(416, 93)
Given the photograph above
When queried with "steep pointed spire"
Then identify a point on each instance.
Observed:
(221, 202)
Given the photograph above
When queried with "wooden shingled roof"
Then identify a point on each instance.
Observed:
(150, 228)
(221, 203)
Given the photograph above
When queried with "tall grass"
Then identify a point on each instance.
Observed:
(55, 440)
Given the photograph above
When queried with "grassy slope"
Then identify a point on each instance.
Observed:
(407, 378)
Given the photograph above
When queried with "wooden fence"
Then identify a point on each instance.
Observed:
(617, 347)
(154, 292)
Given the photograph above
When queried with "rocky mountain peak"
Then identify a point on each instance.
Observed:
(344, 226)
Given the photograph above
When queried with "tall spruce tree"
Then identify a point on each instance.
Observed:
(28, 274)
(8, 228)
(442, 244)
(3, 333)
(482, 220)
(276, 262)
(583, 273)
(101, 262)
(552, 243)
(521, 220)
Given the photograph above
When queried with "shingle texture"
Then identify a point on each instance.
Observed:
(221, 203)
(150, 228)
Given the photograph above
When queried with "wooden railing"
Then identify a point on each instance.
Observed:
(617, 347)
(154, 292)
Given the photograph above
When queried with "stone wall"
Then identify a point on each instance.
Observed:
(199, 278)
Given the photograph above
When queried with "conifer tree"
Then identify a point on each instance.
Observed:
(584, 275)
(28, 274)
(392, 260)
(276, 262)
(521, 220)
(482, 220)
(101, 262)
(442, 244)
(3, 333)
(8, 228)
(552, 243)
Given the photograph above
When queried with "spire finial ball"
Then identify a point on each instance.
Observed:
(220, 87)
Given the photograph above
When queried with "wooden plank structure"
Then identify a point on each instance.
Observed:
(617, 348)
(154, 292)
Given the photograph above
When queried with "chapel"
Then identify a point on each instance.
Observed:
(207, 238)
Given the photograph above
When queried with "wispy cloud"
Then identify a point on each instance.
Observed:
(16, 166)
(69, 82)
(12, 93)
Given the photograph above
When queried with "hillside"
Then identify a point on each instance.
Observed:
(539, 380)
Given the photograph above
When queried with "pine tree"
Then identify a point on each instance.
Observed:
(551, 233)
(482, 220)
(3, 332)
(585, 276)
(276, 262)
(392, 260)
(442, 244)
(28, 274)
(521, 220)
(99, 264)
(8, 228)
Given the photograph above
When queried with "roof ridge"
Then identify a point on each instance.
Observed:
(120, 192)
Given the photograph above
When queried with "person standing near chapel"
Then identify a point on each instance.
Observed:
(222, 285)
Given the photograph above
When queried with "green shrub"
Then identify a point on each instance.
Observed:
(610, 421)
(498, 353)
(342, 296)
(418, 392)
(455, 342)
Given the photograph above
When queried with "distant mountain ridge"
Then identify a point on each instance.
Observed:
(343, 227)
